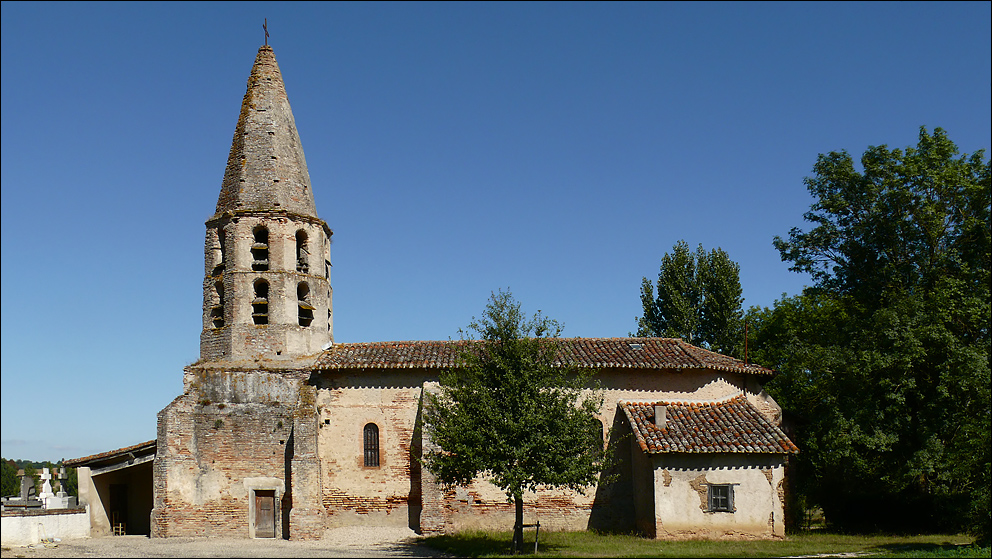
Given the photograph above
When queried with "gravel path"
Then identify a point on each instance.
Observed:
(341, 542)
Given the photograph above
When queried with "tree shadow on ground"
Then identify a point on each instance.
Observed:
(946, 549)
(484, 545)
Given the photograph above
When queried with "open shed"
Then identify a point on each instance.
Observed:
(117, 486)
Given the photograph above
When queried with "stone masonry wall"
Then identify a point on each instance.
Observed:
(306, 520)
(228, 288)
(301, 432)
(228, 434)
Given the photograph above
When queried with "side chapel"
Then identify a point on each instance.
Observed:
(280, 432)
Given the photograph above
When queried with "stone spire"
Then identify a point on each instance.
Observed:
(266, 169)
(267, 256)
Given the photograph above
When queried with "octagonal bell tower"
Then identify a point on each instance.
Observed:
(267, 263)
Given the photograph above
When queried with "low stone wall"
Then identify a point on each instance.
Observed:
(31, 527)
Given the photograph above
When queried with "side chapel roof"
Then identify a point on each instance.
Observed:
(733, 426)
(598, 353)
(266, 169)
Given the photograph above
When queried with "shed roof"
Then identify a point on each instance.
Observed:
(598, 353)
(112, 456)
(733, 426)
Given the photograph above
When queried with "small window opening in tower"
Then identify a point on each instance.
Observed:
(303, 301)
(219, 254)
(260, 249)
(260, 304)
(302, 254)
(327, 268)
(217, 312)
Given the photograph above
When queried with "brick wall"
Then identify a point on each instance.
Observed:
(229, 427)
(353, 493)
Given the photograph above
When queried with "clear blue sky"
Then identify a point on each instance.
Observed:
(555, 149)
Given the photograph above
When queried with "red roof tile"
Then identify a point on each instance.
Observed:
(598, 353)
(730, 426)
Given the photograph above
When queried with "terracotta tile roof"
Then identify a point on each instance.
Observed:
(702, 427)
(391, 355)
(599, 353)
(147, 447)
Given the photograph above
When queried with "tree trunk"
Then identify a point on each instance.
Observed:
(518, 526)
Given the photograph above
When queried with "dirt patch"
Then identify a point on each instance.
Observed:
(341, 542)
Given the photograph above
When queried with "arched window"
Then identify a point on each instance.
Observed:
(303, 301)
(371, 433)
(302, 254)
(260, 249)
(260, 304)
(219, 254)
(217, 312)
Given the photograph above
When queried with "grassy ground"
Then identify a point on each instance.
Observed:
(588, 544)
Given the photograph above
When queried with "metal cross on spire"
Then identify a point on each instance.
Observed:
(265, 27)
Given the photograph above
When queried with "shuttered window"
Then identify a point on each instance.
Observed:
(721, 498)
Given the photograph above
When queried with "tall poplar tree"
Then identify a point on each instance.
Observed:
(721, 316)
(698, 299)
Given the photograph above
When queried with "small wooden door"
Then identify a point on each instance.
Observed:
(265, 514)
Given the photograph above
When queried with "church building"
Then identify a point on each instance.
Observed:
(280, 432)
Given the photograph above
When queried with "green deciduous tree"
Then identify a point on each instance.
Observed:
(513, 413)
(886, 357)
(698, 299)
(9, 482)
